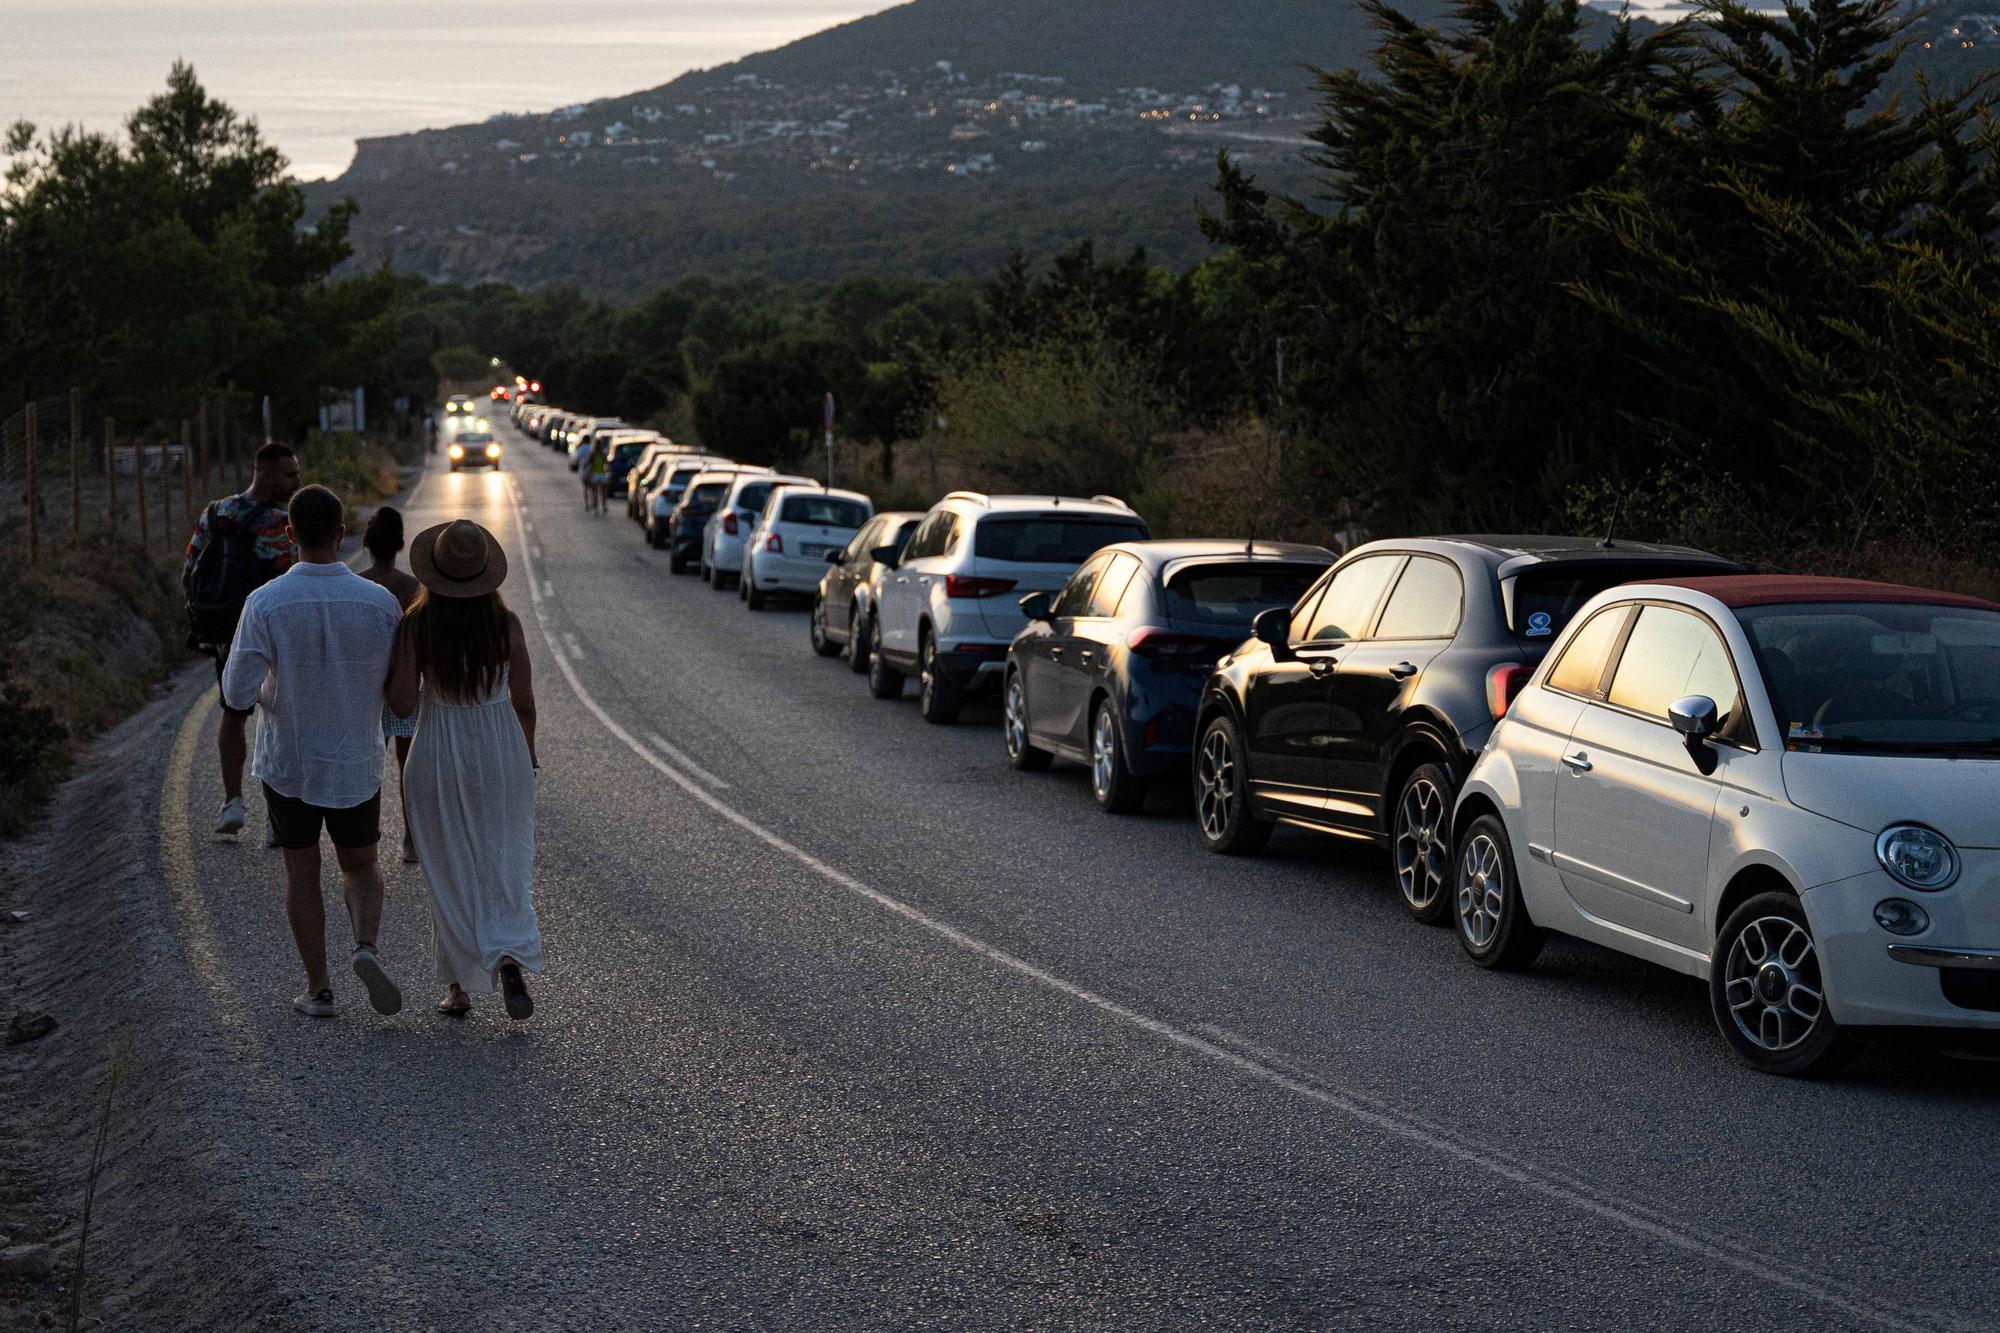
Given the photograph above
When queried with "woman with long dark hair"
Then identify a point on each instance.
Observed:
(470, 780)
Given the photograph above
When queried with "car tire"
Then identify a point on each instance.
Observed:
(1765, 959)
(816, 629)
(677, 563)
(1119, 791)
(1222, 792)
(855, 651)
(884, 681)
(1489, 917)
(753, 596)
(655, 538)
(1420, 844)
(1022, 753)
(938, 699)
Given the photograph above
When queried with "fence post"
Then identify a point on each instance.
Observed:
(75, 466)
(201, 445)
(110, 473)
(166, 495)
(139, 493)
(187, 474)
(34, 495)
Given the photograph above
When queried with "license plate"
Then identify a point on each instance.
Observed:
(813, 548)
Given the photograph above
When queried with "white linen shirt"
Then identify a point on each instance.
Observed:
(312, 652)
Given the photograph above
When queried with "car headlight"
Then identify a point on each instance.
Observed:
(1917, 856)
(457, 452)
(492, 451)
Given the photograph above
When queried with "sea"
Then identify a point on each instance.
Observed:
(319, 74)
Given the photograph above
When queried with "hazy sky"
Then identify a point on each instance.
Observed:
(318, 74)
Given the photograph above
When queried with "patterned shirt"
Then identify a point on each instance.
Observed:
(272, 553)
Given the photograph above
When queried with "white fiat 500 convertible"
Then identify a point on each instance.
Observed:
(1789, 786)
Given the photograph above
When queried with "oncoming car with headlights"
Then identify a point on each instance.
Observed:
(1786, 786)
(474, 447)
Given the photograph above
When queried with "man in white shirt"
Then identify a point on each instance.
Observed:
(312, 653)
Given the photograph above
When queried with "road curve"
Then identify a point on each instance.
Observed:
(847, 1023)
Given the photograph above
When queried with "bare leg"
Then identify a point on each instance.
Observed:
(403, 794)
(361, 877)
(307, 914)
(232, 741)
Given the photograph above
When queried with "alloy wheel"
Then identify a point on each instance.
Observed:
(1017, 718)
(1103, 753)
(1773, 985)
(1215, 785)
(1423, 857)
(1482, 891)
(927, 675)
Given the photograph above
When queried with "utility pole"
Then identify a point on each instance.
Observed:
(201, 445)
(1282, 414)
(139, 495)
(75, 465)
(110, 473)
(34, 496)
(187, 470)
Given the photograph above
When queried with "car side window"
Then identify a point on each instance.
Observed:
(1669, 655)
(925, 541)
(1350, 600)
(865, 540)
(1427, 602)
(1581, 667)
(1074, 600)
(1111, 587)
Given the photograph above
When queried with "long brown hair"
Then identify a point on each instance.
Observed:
(461, 643)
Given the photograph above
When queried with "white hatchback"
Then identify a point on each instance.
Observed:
(788, 548)
(728, 533)
(1787, 786)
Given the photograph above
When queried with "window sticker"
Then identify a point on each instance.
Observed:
(1800, 731)
(1539, 625)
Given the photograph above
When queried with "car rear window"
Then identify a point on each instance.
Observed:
(1233, 594)
(1546, 599)
(1049, 540)
(754, 495)
(626, 451)
(708, 492)
(826, 510)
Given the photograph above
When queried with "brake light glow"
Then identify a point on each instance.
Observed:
(1503, 683)
(729, 523)
(960, 585)
(1155, 642)
(775, 544)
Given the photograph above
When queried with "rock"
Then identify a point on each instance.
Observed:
(27, 1261)
(28, 1027)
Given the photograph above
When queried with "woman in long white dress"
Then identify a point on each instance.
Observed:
(470, 778)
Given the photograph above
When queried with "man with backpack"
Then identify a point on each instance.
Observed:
(240, 543)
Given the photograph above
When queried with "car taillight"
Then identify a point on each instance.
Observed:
(1154, 642)
(1502, 684)
(729, 524)
(959, 585)
(775, 544)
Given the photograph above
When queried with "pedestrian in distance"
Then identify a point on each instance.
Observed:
(597, 477)
(470, 782)
(383, 540)
(240, 543)
(312, 652)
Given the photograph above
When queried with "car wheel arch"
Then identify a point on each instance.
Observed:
(1749, 881)
(1412, 752)
(1471, 807)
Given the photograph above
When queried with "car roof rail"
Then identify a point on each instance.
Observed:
(1112, 500)
(975, 496)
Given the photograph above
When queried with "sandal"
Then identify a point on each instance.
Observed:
(450, 1010)
(520, 1005)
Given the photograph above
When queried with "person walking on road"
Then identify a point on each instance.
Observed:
(312, 652)
(240, 543)
(383, 540)
(597, 476)
(470, 782)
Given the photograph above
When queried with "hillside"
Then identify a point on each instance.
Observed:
(925, 140)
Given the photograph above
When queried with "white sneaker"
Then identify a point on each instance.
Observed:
(230, 821)
(316, 1004)
(382, 992)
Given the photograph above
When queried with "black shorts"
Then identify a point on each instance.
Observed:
(298, 824)
(221, 656)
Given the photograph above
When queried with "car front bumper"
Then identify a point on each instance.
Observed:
(1947, 975)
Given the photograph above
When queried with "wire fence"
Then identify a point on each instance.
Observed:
(69, 472)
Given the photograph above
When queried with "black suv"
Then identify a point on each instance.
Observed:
(1360, 710)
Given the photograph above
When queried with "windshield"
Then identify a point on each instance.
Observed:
(1545, 599)
(828, 511)
(1881, 676)
(1048, 540)
(1233, 594)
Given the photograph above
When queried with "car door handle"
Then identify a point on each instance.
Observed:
(1323, 667)
(1403, 670)
(1055, 651)
(1578, 762)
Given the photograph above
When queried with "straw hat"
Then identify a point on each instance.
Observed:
(458, 559)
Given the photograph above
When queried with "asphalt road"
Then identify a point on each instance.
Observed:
(846, 1023)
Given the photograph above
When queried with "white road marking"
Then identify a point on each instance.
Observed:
(679, 756)
(575, 646)
(1820, 1288)
(548, 589)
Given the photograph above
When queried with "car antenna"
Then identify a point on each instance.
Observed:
(1616, 508)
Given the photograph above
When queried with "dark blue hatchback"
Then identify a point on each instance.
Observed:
(1110, 672)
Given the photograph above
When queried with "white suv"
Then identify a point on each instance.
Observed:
(951, 605)
(787, 551)
(728, 533)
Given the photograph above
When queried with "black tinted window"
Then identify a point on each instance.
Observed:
(1233, 594)
(1546, 599)
(826, 510)
(630, 451)
(1074, 599)
(1426, 602)
(754, 495)
(1351, 599)
(1050, 540)
(708, 492)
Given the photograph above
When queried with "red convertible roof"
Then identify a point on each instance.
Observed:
(1739, 590)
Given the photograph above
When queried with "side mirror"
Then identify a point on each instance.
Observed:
(837, 556)
(1035, 606)
(1694, 718)
(885, 556)
(1273, 628)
